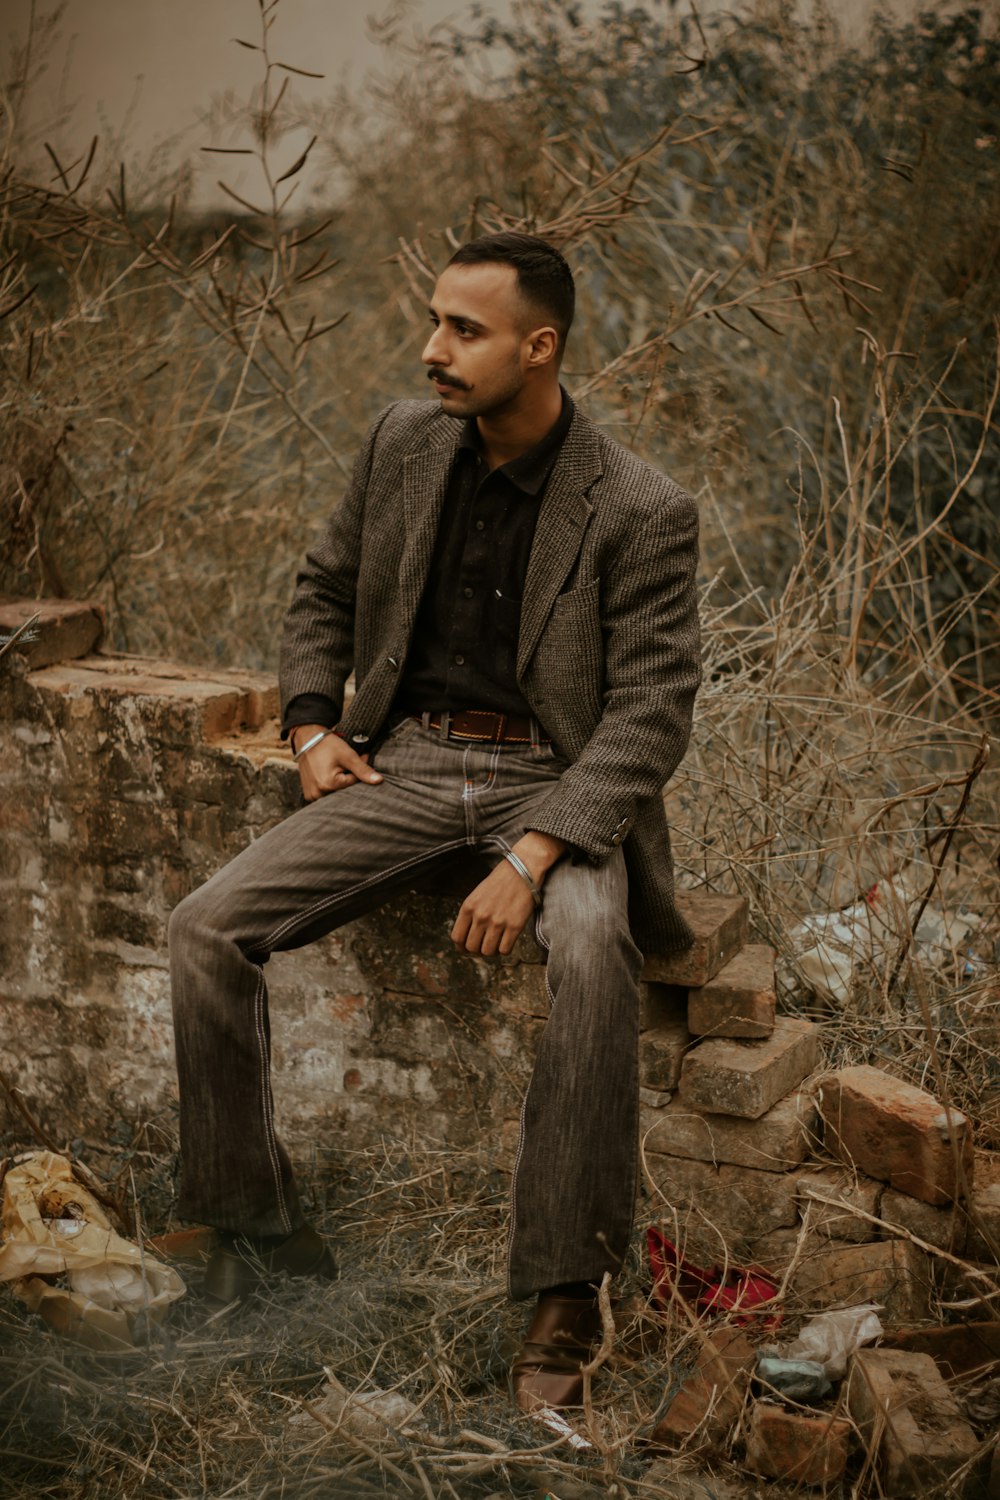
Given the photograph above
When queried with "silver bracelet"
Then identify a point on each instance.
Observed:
(525, 874)
(309, 744)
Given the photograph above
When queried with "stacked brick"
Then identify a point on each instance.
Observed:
(726, 1118)
(737, 1109)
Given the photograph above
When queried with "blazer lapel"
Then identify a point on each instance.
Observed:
(562, 522)
(425, 480)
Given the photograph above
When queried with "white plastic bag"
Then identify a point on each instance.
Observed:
(831, 1338)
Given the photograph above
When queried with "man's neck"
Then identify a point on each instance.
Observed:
(506, 435)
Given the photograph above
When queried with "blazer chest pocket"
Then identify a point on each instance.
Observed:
(573, 640)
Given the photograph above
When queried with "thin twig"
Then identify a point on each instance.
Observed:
(978, 765)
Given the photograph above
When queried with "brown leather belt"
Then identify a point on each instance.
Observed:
(479, 724)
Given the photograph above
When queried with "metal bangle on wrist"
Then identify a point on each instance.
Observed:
(525, 874)
(310, 744)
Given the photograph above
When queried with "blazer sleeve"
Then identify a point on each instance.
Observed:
(317, 646)
(652, 670)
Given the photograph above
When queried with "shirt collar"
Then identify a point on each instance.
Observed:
(530, 470)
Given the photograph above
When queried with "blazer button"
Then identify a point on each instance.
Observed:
(617, 837)
(394, 664)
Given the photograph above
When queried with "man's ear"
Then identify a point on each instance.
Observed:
(543, 346)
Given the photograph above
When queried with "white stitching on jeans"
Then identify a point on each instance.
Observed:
(312, 911)
(470, 790)
(266, 1110)
(542, 942)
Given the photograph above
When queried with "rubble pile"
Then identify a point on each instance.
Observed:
(848, 1186)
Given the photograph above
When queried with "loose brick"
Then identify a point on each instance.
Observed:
(719, 925)
(853, 1191)
(730, 1198)
(987, 1168)
(958, 1349)
(179, 706)
(65, 629)
(740, 1000)
(701, 1413)
(908, 1414)
(779, 1139)
(746, 1078)
(889, 1129)
(794, 1446)
(983, 1241)
(891, 1272)
(661, 1053)
(944, 1227)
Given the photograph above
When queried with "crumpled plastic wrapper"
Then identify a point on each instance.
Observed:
(371, 1413)
(53, 1227)
(832, 945)
(829, 1339)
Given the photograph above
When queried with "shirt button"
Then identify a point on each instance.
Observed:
(480, 525)
(460, 661)
(468, 592)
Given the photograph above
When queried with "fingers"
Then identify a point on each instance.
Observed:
(461, 927)
(331, 767)
(477, 935)
(315, 787)
(493, 916)
(356, 765)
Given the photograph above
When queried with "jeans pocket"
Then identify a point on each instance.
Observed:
(398, 734)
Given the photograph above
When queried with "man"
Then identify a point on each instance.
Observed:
(515, 594)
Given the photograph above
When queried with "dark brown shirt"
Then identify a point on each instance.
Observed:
(463, 649)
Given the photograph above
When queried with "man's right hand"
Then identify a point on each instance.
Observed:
(329, 766)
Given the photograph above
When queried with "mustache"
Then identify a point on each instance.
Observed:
(442, 379)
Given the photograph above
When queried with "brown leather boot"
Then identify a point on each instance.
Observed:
(559, 1341)
(239, 1264)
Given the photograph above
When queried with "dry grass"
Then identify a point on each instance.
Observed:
(232, 1405)
(420, 1310)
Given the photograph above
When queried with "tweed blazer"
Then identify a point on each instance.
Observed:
(608, 650)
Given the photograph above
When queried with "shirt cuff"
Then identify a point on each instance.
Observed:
(309, 708)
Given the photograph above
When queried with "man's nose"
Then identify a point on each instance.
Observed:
(435, 352)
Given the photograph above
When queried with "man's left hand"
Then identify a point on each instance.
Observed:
(493, 916)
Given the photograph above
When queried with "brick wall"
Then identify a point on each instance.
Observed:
(124, 783)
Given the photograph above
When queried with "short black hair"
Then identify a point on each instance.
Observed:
(543, 277)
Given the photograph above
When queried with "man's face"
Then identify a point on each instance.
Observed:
(478, 352)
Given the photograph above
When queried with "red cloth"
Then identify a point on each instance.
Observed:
(737, 1290)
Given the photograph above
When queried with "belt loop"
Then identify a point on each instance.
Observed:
(536, 735)
(499, 728)
(445, 724)
(425, 721)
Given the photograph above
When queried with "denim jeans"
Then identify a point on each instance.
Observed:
(573, 1186)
